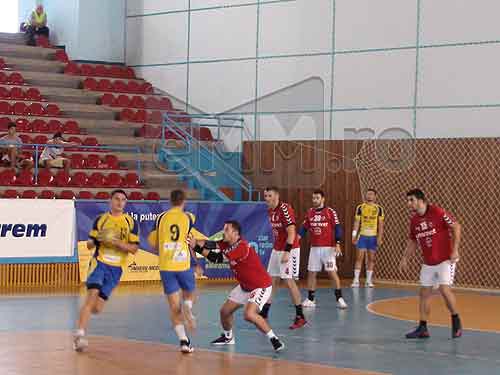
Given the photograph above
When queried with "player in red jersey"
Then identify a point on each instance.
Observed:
(438, 235)
(323, 224)
(285, 257)
(255, 285)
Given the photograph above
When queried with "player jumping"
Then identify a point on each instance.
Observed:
(430, 229)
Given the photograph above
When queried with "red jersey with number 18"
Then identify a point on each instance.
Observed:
(321, 223)
(432, 232)
(281, 218)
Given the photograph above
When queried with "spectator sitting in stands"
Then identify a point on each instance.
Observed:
(9, 145)
(51, 156)
(37, 25)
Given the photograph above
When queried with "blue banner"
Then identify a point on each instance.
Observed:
(210, 218)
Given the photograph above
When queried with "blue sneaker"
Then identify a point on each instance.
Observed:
(420, 332)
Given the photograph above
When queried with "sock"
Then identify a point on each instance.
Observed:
(455, 319)
(265, 310)
(310, 295)
(338, 294)
(80, 332)
(228, 334)
(423, 324)
(181, 332)
(188, 303)
(369, 276)
(270, 334)
(298, 311)
(356, 275)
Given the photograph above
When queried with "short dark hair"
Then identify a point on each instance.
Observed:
(417, 193)
(118, 191)
(11, 125)
(372, 190)
(177, 197)
(236, 226)
(320, 192)
(272, 188)
(57, 135)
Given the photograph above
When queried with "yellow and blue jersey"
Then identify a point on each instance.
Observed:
(126, 228)
(368, 215)
(170, 237)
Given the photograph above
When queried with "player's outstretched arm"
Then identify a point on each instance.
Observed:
(411, 248)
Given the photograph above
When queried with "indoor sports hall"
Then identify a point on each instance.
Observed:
(249, 187)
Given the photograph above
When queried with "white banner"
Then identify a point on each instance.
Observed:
(36, 228)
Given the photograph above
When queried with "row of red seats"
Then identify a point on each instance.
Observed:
(126, 101)
(99, 70)
(7, 78)
(8, 177)
(93, 161)
(69, 194)
(62, 56)
(34, 109)
(133, 87)
(200, 133)
(41, 126)
(42, 139)
(21, 93)
(3, 65)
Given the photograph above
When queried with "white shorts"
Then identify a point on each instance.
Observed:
(258, 296)
(440, 274)
(322, 256)
(289, 270)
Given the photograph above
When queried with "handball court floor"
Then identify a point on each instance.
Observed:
(133, 335)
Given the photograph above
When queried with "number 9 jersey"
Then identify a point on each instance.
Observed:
(170, 237)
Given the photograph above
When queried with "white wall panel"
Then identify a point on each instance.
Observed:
(136, 7)
(171, 79)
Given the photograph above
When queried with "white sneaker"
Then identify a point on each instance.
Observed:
(341, 304)
(369, 284)
(189, 317)
(355, 284)
(186, 346)
(308, 303)
(80, 343)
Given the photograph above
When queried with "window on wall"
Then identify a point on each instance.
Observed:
(9, 16)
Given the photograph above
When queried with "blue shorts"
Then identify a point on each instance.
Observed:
(103, 277)
(175, 280)
(367, 242)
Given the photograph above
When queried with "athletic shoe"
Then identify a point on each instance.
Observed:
(298, 322)
(419, 333)
(277, 344)
(223, 340)
(189, 318)
(308, 303)
(369, 284)
(456, 329)
(355, 284)
(186, 346)
(80, 343)
(341, 304)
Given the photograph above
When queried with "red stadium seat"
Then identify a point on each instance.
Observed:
(10, 194)
(166, 104)
(92, 161)
(28, 194)
(152, 103)
(111, 162)
(116, 72)
(25, 138)
(61, 179)
(17, 93)
(47, 194)
(107, 99)
(103, 195)
(3, 78)
(61, 56)
(155, 117)
(136, 196)
(40, 139)
(44, 178)
(141, 116)
(53, 110)
(126, 114)
(104, 85)
(91, 141)
(71, 127)
(15, 79)
(4, 123)
(96, 179)
(114, 180)
(132, 180)
(72, 68)
(77, 161)
(90, 84)
(33, 94)
(129, 73)
(134, 87)
(122, 101)
(146, 88)
(79, 179)
(36, 109)
(153, 196)
(4, 93)
(55, 126)
(120, 86)
(40, 126)
(7, 177)
(149, 131)
(85, 195)
(101, 71)
(66, 194)
(23, 125)
(138, 102)
(25, 178)
(87, 70)
(205, 134)
(42, 41)
(20, 109)
(5, 108)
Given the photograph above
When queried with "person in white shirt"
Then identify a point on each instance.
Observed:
(51, 156)
(9, 152)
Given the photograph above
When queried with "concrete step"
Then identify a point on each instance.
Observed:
(35, 65)
(60, 94)
(51, 79)
(23, 51)
(13, 38)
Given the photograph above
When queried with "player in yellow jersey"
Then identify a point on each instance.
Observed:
(367, 235)
(114, 235)
(170, 239)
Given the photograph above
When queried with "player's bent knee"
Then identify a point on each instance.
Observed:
(249, 316)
